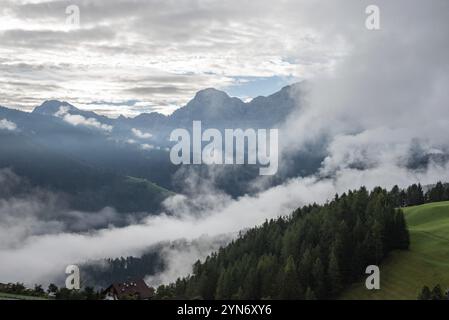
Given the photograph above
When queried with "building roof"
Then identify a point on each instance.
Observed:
(137, 288)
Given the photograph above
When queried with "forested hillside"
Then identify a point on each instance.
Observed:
(101, 274)
(85, 187)
(312, 254)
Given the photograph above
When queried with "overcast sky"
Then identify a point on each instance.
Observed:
(131, 56)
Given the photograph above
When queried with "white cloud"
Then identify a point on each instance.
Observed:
(386, 93)
(147, 146)
(141, 135)
(180, 255)
(155, 52)
(5, 124)
(76, 120)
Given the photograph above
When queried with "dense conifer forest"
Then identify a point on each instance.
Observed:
(314, 253)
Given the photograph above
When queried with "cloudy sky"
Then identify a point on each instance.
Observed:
(131, 56)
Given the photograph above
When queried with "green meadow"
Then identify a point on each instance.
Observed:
(9, 296)
(404, 273)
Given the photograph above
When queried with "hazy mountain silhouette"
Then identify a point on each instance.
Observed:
(91, 157)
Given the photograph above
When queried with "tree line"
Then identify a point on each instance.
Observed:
(437, 293)
(415, 194)
(101, 274)
(314, 253)
(52, 292)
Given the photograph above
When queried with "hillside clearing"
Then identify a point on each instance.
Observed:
(404, 273)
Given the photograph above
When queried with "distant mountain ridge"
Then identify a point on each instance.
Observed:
(79, 152)
(103, 156)
(211, 106)
(52, 107)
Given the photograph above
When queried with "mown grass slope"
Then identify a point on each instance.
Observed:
(10, 296)
(404, 273)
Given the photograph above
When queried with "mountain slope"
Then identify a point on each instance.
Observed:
(138, 146)
(87, 187)
(212, 106)
(404, 273)
(89, 146)
(52, 107)
(313, 254)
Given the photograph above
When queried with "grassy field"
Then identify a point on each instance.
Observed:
(9, 296)
(404, 273)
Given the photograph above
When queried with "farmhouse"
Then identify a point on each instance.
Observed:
(130, 290)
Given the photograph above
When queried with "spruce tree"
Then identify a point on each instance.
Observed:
(334, 274)
(425, 294)
(437, 293)
(318, 279)
(290, 286)
(310, 294)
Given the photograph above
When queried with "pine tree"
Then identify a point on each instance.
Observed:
(239, 295)
(310, 295)
(395, 195)
(290, 286)
(436, 194)
(446, 192)
(224, 285)
(378, 241)
(415, 195)
(305, 267)
(425, 294)
(437, 293)
(345, 248)
(334, 274)
(251, 285)
(401, 233)
(266, 268)
(318, 279)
